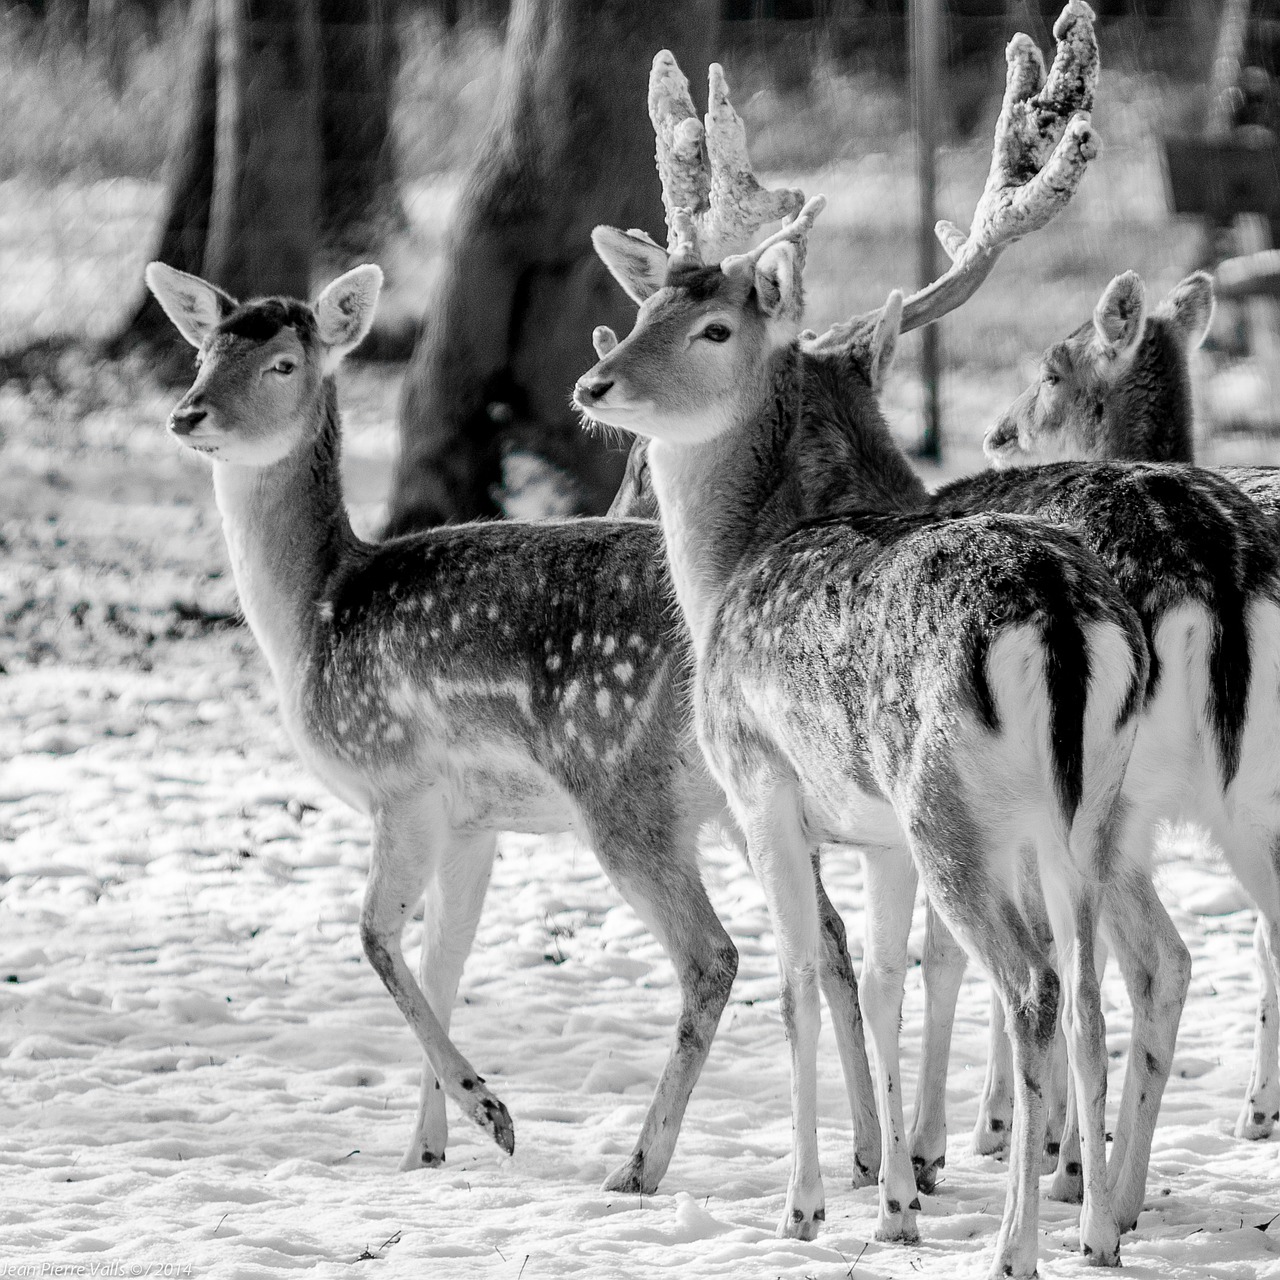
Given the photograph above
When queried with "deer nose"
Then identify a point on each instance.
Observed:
(593, 390)
(182, 422)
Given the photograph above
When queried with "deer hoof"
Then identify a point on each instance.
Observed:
(629, 1179)
(927, 1172)
(1255, 1123)
(418, 1158)
(1067, 1186)
(801, 1224)
(495, 1120)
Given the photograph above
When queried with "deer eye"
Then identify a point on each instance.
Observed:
(284, 365)
(717, 333)
(1050, 377)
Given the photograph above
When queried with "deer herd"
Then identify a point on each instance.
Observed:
(1003, 689)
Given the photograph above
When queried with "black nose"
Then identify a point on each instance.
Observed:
(596, 389)
(182, 422)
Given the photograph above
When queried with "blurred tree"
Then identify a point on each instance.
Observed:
(282, 148)
(508, 329)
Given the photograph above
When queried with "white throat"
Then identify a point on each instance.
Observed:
(703, 521)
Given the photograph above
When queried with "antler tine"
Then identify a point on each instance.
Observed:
(705, 170)
(739, 205)
(796, 230)
(682, 167)
(1035, 169)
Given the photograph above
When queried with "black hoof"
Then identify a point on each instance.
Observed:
(497, 1120)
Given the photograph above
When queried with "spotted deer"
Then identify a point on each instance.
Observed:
(486, 677)
(1119, 387)
(870, 673)
(1198, 563)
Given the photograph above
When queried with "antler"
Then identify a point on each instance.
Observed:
(1031, 180)
(705, 170)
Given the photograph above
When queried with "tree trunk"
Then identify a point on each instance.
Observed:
(188, 181)
(360, 205)
(508, 330)
(284, 137)
(267, 156)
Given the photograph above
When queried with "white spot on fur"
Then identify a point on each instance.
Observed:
(577, 641)
(395, 732)
(571, 693)
(570, 730)
(603, 703)
(624, 582)
(492, 613)
(623, 671)
(326, 610)
(636, 641)
(610, 644)
(553, 662)
(455, 622)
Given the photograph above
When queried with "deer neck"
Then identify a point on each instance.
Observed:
(811, 445)
(286, 530)
(1149, 417)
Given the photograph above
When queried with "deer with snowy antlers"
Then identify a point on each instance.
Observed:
(869, 675)
(483, 677)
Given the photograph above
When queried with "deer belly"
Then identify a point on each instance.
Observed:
(499, 792)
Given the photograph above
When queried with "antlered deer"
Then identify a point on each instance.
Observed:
(868, 674)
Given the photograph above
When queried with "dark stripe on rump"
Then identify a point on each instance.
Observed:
(1067, 676)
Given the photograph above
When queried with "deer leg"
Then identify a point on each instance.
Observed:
(840, 988)
(408, 833)
(1067, 1186)
(782, 862)
(1059, 1095)
(890, 892)
(450, 915)
(995, 1109)
(1157, 972)
(996, 933)
(1262, 1101)
(674, 905)
(1086, 1036)
(942, 969)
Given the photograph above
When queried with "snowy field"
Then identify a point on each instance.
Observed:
(201, 1073)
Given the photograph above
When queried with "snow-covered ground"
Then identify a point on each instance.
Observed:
(198, 1068)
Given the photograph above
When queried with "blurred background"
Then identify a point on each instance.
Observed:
(469, 148)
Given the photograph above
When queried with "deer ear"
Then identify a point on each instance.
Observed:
(635, 262)
(345, 310)
(779, 282)
(195, 306)
(1119, 317)
(1190, 306)
(884, 341)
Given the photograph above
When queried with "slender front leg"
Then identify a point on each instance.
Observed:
(451, 912)
(891, 892)
(995, 1110)
(942, 970)
(406, 845)
(840, 988)
(1157, 972)
(674, 904)
(783, 864)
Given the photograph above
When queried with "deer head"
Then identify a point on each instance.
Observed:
(1115, 388)
(697, 359)
(261, 365)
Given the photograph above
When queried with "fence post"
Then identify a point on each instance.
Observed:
(926, 71)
